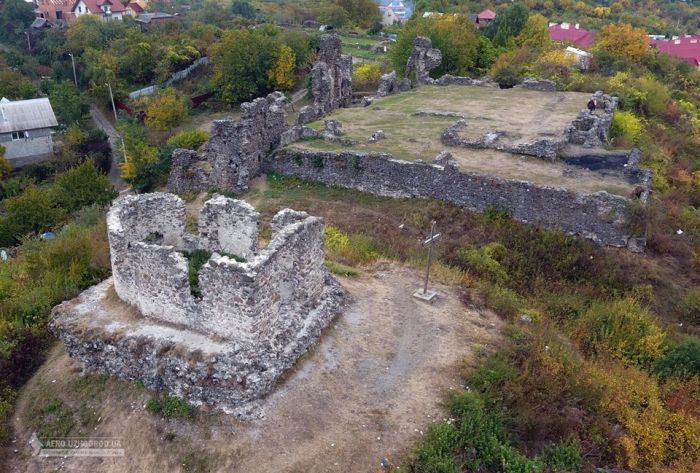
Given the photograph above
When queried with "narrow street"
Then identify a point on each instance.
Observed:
(104, 124)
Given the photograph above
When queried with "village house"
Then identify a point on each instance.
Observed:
(25, 130)
(484, 18)
(55, 9)
(686, 48)
(107, 9)
(566, 32)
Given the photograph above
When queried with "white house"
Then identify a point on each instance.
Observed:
(107, 9)
(583, 59)
(25, 129)
(389, 17)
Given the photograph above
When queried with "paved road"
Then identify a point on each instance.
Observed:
(103, 123)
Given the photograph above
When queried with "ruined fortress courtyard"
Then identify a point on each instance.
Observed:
(412, 133)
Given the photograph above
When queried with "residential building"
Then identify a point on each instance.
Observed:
(400, 10)
(55, 9)
(484, 18)
(389, 17)
(133, 9)
(106, 9)
(686, 48)
(572, 33)
(25, 130)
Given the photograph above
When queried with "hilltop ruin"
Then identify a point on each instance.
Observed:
(255, 311)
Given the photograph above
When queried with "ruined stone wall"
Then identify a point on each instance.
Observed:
(331, 80)
(234, 151)
(247, 301)
(598, 216)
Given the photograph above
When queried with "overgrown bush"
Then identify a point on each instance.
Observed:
(626, 125)
(682, 361)
(170, 407)
(189, 139)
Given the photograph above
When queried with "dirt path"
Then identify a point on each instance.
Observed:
(362, 395)
(104, 124)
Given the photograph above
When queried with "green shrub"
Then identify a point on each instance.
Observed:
(626, 125)
(565, 457)
(689, 307)
(437, 453)
(482, 262)
(189, 139)
(196, 260)
(682, 361)
(170, 407)
(502, 300)
(622, 329)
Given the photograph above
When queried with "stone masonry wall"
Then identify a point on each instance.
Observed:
(234, 151)
(240, 301)
(598, 216)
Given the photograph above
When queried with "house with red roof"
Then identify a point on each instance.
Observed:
(686, 48)
(484, 18)
(106, 9)
(571, 33)
(133, 9)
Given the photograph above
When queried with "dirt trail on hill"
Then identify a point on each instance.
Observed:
(365, 393)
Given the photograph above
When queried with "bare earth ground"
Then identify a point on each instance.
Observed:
(363, 394)
(526, 115)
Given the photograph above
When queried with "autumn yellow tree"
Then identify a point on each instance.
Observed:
(166, 110)
(623, 40)
(281, 75)
(535, 34)
(5, 166)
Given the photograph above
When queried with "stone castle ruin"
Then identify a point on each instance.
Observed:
(234, 152)
(331, 81)
(238, 152)
(254, 313)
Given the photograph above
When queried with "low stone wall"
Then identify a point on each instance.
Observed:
(547, 148)
(598, 216)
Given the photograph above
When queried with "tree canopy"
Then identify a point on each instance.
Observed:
(623, 40)
(166, 110)
(455, 36)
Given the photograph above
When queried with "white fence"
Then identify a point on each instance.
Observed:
(175, 77)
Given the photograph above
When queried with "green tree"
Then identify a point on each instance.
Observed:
(366, 12)
(486, 54)
(31, 211)
(83, 186)
(281, 74)
(535, 34)
(85, 32)
(504, 37)
(10, 84)
(242, 8)
(241, 61)
(166, 110)
(68, 103)
(454, 36)
(139, 64)
(18, 13)
(333, 15)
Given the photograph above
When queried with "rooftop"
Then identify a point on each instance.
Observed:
(26, 115)
(573, 33)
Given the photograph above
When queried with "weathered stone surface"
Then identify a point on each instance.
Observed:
(232, 155)
(423, 113)
(387, 84)
(367, 101)
(443, 158)
(332, 127)
(251, 322)
(545, 85)
(331, 76)
(147, 232)
(297, 133)
(377, 135)
(423, 58)
(203, 369)
(449, 79)
(542, 148)
(405, 85)
(307, 114)
(598, 216)
(606, 102)
(590, 129)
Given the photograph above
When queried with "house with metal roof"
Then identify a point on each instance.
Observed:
(686, 48)
(25, 130)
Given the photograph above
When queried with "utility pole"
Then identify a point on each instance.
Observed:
(29, 43)
(75, 78)
(114, 109)
(424, 294)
